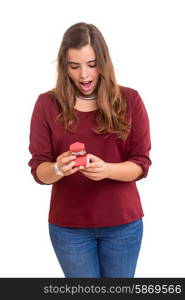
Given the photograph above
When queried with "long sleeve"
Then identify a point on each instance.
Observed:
(40, 145)
(140, 143)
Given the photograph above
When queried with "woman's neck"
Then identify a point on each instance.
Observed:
(85, 105)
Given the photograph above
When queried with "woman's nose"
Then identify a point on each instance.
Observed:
(84, 73)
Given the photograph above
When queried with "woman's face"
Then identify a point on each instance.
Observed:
(81, 64)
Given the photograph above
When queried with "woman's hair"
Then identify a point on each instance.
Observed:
(111, 113)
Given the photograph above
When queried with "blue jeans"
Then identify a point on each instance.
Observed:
(98, 252)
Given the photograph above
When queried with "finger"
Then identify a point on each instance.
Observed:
(94, 165)
(68, 167)
(64, 160)
(91, 170)
(92, 157)
(81, 167)
(89, 175)
(91, 165)
(64, 154)
(86, 174)
(72, 171)
(68, 159)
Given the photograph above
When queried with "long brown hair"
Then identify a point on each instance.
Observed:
(111, 113)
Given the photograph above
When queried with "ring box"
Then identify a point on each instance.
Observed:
(78, 149)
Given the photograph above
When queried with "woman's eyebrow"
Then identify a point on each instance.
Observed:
(75, 63)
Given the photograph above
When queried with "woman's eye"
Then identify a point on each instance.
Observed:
(91, 66)
(74, 68)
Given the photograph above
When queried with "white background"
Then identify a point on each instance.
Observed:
(146, 42)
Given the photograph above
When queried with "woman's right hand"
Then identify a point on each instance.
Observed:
(65, 163)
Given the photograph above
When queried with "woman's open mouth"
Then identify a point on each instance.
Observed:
(86, 86)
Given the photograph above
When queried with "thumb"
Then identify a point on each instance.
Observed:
(92, 158)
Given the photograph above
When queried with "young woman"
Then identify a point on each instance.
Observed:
(95, 216)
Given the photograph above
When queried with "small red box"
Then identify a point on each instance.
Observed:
(78, 149)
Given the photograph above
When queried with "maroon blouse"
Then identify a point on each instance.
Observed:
(77, 201)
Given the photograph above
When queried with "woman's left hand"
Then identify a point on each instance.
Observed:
(96, 169)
